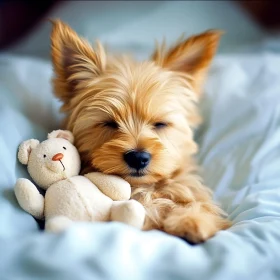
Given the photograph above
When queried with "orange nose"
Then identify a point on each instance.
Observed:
(57, 157)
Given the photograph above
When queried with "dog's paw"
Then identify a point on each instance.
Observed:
(194, 227)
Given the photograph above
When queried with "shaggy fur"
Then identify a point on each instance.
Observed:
(116, 104)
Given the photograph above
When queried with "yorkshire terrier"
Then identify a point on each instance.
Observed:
(137, 120)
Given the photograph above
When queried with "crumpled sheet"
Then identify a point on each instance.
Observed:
(240, 156)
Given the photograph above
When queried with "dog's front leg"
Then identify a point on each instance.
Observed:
(196, 222)
(183, 210)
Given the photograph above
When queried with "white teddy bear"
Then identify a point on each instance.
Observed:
(54, 165)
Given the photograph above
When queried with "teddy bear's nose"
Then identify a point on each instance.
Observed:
(57, 157)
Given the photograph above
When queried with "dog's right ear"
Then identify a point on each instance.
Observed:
(75, 62)
(25, 149)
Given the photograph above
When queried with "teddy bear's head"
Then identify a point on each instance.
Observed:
(52, 160)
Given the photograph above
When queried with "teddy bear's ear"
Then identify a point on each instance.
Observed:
(66, 134)
(25, 149)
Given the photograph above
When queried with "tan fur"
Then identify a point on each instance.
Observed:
(96, 88)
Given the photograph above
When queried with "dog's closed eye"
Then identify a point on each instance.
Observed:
(111, 124)
(159, 125)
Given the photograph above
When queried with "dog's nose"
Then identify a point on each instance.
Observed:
(57, 157)
(137, 160)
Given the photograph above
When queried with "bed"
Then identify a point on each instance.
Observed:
(240, 158)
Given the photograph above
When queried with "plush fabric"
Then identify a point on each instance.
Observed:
(54, 165)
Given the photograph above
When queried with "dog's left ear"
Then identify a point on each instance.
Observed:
(192, 56)
(74, 60)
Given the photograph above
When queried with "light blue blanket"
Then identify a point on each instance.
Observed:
(240, 155)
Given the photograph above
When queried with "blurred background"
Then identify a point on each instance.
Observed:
(135, 25)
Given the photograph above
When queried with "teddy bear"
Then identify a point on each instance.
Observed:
(54, 165)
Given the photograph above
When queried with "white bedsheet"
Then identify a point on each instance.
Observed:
(240, 154)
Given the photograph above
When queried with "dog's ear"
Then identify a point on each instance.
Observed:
(192, 56)
(75, 62)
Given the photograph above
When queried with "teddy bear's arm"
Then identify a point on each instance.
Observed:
(29, 198)
(114, 187)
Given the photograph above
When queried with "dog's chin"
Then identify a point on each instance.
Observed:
(136, 179)
(133, 177)
(139, 180)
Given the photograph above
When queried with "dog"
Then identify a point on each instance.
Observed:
(137, 120)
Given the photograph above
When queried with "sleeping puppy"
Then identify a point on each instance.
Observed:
(136, 120)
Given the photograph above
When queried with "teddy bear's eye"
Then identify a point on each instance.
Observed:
(44, 156)
(64, 148)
